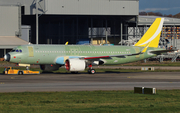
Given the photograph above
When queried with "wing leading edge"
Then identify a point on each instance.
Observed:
(109, 57)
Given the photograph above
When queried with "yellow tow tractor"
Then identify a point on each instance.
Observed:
(10, 70)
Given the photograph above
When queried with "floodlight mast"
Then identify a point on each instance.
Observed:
(37, 23)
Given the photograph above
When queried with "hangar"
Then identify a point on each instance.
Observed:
(69, 20)
(92, 21)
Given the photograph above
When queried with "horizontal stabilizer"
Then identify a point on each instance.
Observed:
(158, 52)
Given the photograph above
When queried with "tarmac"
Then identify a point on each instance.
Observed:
(89, 82)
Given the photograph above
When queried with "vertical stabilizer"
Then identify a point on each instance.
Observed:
(153, 34)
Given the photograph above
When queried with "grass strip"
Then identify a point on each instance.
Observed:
(90, 102)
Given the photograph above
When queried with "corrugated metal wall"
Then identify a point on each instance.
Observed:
(8, 20)
(79, 7)
(29, 5)
(93, 7)
(65, 20)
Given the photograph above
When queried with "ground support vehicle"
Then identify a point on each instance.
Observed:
(10, 70)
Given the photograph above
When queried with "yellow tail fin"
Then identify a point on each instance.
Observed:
(153, 34)
(66, 43)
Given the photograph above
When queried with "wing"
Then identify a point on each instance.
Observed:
(109, 57)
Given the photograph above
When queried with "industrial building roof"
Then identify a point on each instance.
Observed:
(8, 42)
(148, 20)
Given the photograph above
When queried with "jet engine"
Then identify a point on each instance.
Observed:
(75, 65)
(48, 67)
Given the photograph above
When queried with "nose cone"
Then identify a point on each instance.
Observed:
(7, 57)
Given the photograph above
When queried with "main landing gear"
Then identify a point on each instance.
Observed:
(91, 70)
(74, 72)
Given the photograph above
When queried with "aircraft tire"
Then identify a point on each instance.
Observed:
(91, 71)
(20, 73)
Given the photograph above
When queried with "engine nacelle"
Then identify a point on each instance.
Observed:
(49, 67)
(75, 65)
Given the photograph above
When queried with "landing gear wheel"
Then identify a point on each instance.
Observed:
(20, 73)
(91, 71)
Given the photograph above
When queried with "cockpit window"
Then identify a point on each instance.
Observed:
(16, 50)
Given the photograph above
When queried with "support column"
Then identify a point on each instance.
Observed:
(74, 37)
(63, 31)
(106, 32)
(19, 11)
(174, 39)
(121, 32)
(37, 23)
(4, 52)
(77, 35)
(101, 32)
(91, 31)
(114, 31)
(59, 34)
(171, 36)
(136, 28)
(125, 32)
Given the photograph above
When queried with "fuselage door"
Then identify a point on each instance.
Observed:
(31, 52)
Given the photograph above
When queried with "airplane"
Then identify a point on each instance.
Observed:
(77, 58)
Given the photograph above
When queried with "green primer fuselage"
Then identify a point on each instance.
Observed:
(48, 54)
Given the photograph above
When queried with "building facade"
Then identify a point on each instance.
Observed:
(73, 20)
